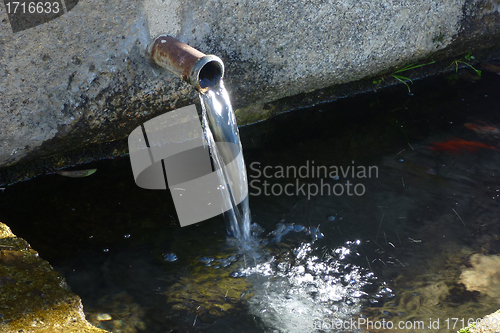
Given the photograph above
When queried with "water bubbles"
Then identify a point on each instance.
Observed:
(282, 229)
(231, 259)
(387, 293)
(218, 263)
(225, 262)
(283, 266)
(299, 269)
(237, 274)
(311, 289)
(170, 257)
(333, 218)
(315, 233)
(386, 290)
(256, 229)
(298, 228)
(206, 260)
(342, 252)
(305, 288)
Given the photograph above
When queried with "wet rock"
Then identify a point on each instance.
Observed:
(484, 276)
(34, 297)
(103, 317)
(117, 313)
(488, 324)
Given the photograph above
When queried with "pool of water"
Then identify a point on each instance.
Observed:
(385, 245)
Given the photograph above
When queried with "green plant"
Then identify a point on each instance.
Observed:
(403, 79)
(465, 330)
(465, 61)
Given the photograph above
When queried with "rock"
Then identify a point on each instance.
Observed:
(484, 276)
(117, 313)
(34, 297)
(488, 324)
(103, 317)
(84, 79)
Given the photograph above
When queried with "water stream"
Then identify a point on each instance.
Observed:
(223, 138)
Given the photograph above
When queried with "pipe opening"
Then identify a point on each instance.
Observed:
(210, 75)
(201, 71)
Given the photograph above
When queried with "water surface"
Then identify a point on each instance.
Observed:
(394, 253)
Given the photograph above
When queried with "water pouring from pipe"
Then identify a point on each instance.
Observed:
(205, 73)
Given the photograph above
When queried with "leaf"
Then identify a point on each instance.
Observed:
(76, 173)
(412, 66)
(403, 80)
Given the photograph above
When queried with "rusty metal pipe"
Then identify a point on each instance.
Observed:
(200, 70)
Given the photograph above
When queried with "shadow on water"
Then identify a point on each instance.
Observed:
(395, 253)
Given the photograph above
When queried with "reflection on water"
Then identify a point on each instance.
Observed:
(300, 292)
(415, 247)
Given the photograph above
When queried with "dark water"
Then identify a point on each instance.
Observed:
(390, 248)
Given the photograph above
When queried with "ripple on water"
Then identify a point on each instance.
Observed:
(297, 291)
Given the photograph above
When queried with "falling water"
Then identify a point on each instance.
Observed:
(223, 138)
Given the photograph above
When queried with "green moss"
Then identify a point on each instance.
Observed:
(466, 330)
(33, 297)
(207, 291)
(438, 39)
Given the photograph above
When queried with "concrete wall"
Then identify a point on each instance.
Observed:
(84, 77)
